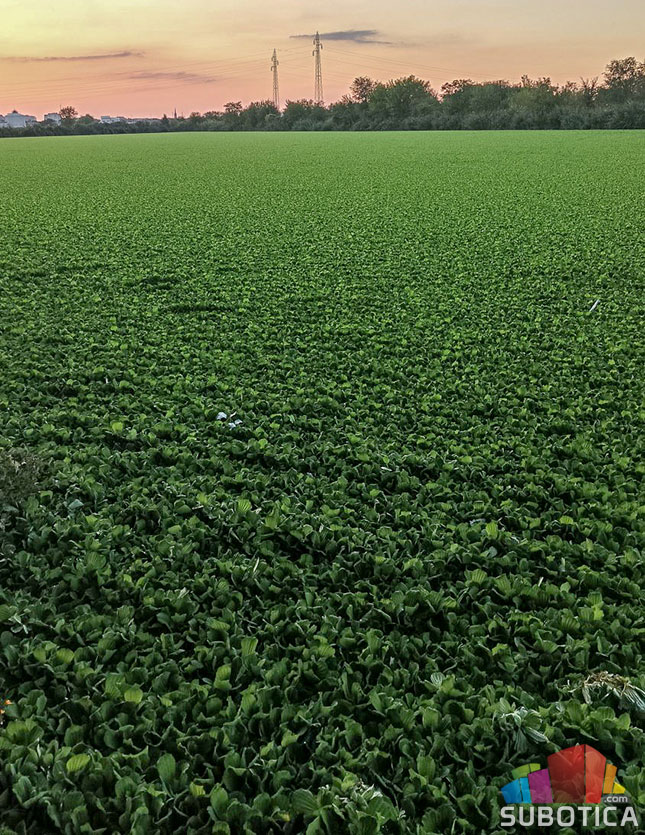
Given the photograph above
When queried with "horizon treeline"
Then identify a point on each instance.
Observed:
(410, 103)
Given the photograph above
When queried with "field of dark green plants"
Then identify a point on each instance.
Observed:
(321, 481)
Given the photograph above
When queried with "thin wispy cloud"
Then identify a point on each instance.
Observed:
(441, 39)
(99, 56)
(352, 35)
(184, 77)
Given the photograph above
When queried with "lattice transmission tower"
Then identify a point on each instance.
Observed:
(318, 85)
(274, 72)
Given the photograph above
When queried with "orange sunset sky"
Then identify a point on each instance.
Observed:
(146, 57)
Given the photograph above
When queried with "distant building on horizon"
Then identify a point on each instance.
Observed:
(19, 120)
(128, 120)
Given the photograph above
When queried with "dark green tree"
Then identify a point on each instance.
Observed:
(624, 79)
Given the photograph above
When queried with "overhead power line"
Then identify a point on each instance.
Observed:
(405, 62)
(345, 64)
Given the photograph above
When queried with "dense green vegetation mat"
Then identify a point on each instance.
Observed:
(405, 561)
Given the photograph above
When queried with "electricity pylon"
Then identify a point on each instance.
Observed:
(318, 85)
(274, 71)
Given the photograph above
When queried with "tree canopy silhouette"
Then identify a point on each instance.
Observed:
(410, 103)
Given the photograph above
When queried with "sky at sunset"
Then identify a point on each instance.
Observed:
(146, 57)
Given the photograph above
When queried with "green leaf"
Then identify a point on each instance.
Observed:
(40, 654)
(272, 521)
(6, 612)
(196, 790)
(65, 655)
(478, 576)
(166, 766)
(426, 766)
(223, 673)
(247, 701)
(113, 685)
(303, 802)
(248, 646)
(367, 825)
(623, 722)
(492, 530)
(219, 799)
(77, 762)
(383, 808)
(22, 789)
(133, 695)
(288, 738)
